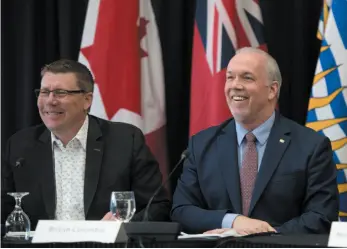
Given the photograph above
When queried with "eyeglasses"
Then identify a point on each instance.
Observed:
(58, 93)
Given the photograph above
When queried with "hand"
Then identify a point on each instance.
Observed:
(109, 216)
(244, 226)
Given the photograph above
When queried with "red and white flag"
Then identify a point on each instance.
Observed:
(221, 27)
(121, 47)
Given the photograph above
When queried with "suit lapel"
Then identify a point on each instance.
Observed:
(228, 163)
(277, 144)
(93, 162)
(43, 151)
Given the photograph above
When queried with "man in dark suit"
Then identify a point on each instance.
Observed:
(72, 162)
(258, 172)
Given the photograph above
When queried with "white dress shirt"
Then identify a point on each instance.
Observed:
(70, 162)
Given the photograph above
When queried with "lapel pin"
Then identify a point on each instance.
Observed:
(281, 141)
(97, 149)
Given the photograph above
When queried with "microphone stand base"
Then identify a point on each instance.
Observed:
(152, 231)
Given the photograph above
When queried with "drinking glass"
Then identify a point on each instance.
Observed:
(122, 205)
(17, 224)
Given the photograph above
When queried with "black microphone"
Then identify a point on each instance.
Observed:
(19, 163)
(184, 155)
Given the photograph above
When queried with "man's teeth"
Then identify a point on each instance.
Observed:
(53, 113)
(238, 98)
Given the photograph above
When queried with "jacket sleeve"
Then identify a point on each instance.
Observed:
(145, 179)
(189, 207)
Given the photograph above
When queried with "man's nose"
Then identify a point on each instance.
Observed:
(51, 98)
(237, 84)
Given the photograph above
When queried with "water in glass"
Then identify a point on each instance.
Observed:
(123, 205)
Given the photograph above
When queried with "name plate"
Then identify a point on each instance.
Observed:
(49, 231)
(338, 234)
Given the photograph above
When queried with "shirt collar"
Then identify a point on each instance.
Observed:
(81, 135)
(262, 132)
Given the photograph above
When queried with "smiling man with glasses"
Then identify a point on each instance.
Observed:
(74, 160)
(65, 97)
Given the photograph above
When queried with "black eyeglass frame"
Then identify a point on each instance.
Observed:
(58, 92)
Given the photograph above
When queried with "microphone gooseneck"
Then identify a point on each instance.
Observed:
(184, 155)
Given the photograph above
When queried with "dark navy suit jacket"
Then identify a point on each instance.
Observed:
(295, 190)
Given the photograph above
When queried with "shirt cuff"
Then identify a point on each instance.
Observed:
(228, 220)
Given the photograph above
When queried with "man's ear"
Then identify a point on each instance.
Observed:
(88, 97)
(273, 90)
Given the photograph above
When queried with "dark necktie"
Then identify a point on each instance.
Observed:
(249, 171)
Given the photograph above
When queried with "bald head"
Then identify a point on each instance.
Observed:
(273, 71)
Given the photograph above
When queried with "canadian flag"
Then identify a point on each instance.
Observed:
(121, 47)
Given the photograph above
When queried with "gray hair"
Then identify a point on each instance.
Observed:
(274, 73)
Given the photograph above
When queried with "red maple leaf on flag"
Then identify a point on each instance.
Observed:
(143, 33)
(113, 57)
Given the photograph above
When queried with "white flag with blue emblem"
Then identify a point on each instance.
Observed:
(327, 111)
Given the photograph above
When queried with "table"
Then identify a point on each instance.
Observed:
(251, 241)
(306, 240)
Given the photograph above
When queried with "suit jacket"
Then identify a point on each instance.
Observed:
(117, 159)
(295, 190)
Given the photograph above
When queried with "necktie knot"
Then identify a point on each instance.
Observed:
(250, 137)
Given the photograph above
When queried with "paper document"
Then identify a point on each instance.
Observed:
(229, 233)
